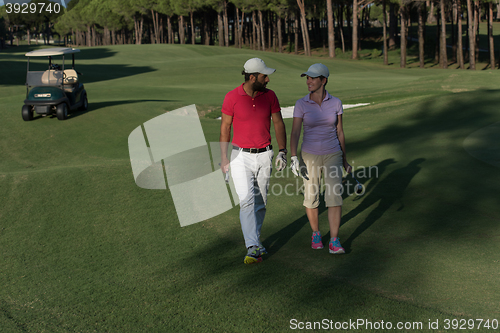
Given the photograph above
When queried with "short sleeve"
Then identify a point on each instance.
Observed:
(228, 105)
(341, 108)
(275, 104)
(298, 110)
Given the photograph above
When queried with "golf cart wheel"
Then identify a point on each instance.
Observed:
(85, 104)
(62, 111)
(27, 113)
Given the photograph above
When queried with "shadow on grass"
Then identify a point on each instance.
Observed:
(277, 240)
(386, 192)
(448, 204)
(97, 106)
(100, 105)
(14, 66)
(86, 53)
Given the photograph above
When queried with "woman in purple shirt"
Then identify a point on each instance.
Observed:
(323, 152)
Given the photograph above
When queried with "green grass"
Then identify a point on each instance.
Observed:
(83, 249)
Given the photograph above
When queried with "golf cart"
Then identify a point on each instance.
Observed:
(56, 90)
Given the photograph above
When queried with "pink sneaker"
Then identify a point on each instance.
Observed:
(316, 241)
(335, 247)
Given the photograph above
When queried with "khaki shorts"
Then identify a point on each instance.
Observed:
(330, 165)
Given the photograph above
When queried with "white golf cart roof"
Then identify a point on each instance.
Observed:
(52, 52)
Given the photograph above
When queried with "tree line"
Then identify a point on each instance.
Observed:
(272, 25)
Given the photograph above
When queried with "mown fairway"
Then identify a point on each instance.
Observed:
(83, 249)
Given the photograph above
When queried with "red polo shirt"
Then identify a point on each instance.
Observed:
(251, 116)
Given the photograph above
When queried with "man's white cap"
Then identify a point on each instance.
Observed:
(317, 70)
(256, 65)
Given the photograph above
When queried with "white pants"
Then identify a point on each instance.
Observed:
(251, 173)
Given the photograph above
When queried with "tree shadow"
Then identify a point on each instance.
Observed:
(387, 192)
(96, 106)
(434, 135)
(276, 241)
(13, 66)
(100, 105)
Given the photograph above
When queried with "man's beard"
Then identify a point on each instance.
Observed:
(257, 86)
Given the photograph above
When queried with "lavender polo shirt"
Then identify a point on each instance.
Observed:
(320, 124)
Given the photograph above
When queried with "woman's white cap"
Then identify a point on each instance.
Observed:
(317, 70)
(256, 65)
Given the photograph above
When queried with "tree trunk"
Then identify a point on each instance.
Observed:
(256, 27)
(280, 35)
(437, 58)
(472, 47)
(261, 27)
(355, 24)
(170, 31)
(392, 26)
(220, 26)
(89, 41)
(384, 32)
(296, 29)
(206, 29)
(453, 31)
(331, 29)
(431, 18)
(270, 28)
(156, 27)
(242, 28)
(491, 47)
(402, 12)
(105, 40)
(305, 30)
(138, 25)
(341, 26)
(162, 29)
(237, 38)
(182, 32)
(443, 57)
(226, 25)
(476, 29)
(271, 31)
(193, 29)
(460, 52)
(421, 38)
(289, 30)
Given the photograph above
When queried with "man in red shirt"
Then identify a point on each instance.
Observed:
(249, 109)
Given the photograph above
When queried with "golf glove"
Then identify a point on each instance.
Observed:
(297, 169)
(281, 161)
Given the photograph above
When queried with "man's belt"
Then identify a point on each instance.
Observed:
(254, 150)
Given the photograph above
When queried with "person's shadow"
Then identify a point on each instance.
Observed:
(386, 192)
(373, 173)
(282, 236)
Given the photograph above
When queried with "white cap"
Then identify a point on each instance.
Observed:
(317, 70)
(256, 65)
